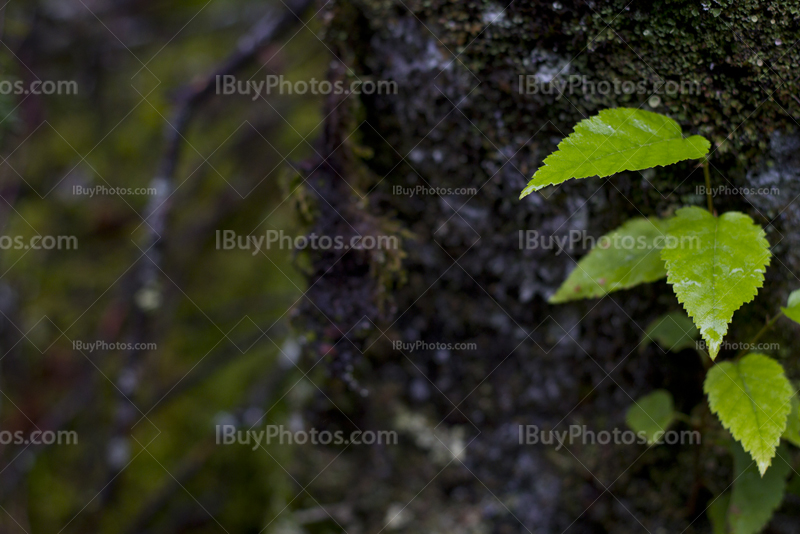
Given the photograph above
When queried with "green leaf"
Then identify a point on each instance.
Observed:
(718, 514)
(652, 415)
(792, 432)
(792, 309)
(714, 264)
(616, 140)
(751, 397)
(674, 331)
(755, 498)
(623, 258)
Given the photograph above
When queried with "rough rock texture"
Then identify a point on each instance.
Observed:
(459, 121)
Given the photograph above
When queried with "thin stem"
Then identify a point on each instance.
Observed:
(761, 332)
(705, 359)
(685, 418)
(708, 187)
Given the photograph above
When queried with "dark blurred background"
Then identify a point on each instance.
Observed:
(203, 329)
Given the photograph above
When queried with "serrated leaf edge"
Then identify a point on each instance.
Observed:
(531, 187)
(714, 353)
(712, 406)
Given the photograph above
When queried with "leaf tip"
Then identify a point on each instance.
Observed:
(701, 143)
(527, 191)
(763, 465)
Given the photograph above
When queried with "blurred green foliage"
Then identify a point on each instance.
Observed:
(130, 60)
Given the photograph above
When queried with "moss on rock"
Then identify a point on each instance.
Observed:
(460, 121)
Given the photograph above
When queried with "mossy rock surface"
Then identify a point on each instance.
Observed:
(459, 120)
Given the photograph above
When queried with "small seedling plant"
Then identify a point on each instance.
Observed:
(715, 264)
